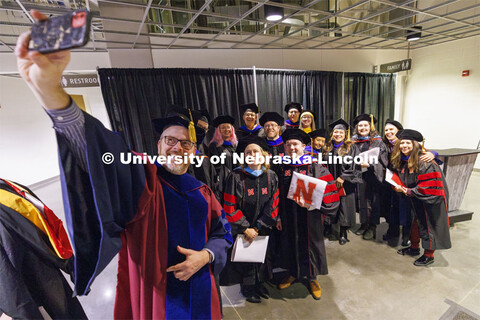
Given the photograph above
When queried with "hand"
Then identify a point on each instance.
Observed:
(300, 202)
(339, 182)
(250, 234)
(427, 156)
(364, 165)
(42, 72)
(195, 260)
(401, 189)
(279, 225)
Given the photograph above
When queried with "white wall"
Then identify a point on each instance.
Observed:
(439, 102)
(28, 149)
(325, 60)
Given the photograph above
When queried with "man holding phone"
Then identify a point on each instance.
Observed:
(170, 230)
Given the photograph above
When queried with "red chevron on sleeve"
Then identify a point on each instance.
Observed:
(431, 183)
(229, 197)
(228, 209)
(275, 213)
(433, 192)
(331, 198)
(237, 216)
(431, 175)
(327, 178)
(275, 200)
(330, 188)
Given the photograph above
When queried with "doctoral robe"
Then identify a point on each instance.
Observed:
(142, 212)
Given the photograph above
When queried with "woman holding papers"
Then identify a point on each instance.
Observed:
(303, 248)
(346, 175)
(398, 212)
(251, 205)
(367, 139)
(425, 189)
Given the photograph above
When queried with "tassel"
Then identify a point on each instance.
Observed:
(372, 124)
(423, 145)
(348, 134)
(191, 129)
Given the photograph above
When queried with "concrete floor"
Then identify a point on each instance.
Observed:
(369, 280)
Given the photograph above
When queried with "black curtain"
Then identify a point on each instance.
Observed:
(372, 94)
(133, 97)
(319, 91)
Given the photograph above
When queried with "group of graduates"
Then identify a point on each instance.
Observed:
(254, 196)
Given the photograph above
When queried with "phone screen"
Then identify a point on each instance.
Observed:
(61, 33)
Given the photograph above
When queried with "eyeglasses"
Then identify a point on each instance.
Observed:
(185, 144)
(268, 126)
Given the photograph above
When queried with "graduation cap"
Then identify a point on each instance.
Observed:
(223, 119)
(178, 116)
(366, 117)
(271, 116)
(409, 134)
(293, 105)
(243, 143)
(395, 123)
(318, 133)
(251, 106)
(205, 116)
(339, 124)
(311, 113)
(296, 134)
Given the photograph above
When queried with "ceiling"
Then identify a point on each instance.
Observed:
(241, 24)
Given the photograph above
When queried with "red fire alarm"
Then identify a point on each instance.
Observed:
(465, 73)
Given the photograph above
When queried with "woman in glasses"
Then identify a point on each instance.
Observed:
(425, 189)
(249, 113)
(293, 110)
(307, 121)
(251, 204)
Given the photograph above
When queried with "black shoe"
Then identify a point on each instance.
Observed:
(343, 236)
(391, 234)
(406, 243)
(262, 291)
(362, 229)
(409, 251)
(370, 234)
(423, 261)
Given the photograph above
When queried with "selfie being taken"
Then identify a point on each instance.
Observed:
(239, 160)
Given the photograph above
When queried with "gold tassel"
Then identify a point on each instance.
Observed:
(423, 145)
(348, 134)
(191, 129)
(372, 124)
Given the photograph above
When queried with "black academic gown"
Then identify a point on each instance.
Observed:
(369, 190)
(351, 175)
(302, 247)
(250, 202)
(428, 197)
(243, 132)
(30, 270)
(222, 170)
(205, 173)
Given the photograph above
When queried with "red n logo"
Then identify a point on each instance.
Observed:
(307, 194)
(264, 191)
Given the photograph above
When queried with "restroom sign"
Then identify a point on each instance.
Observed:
(80, 80)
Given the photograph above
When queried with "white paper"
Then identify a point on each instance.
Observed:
(244, 251)
(389, 178)
(318, 192)
(369, 155)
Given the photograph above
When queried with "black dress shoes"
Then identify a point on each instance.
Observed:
(343, 236)
(424, 261)
(262, 291)
(250, 294)
(406, 243)
(409, 251)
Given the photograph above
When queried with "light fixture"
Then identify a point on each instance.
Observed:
(273, 13)
(414, 35)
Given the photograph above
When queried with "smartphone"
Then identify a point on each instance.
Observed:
(59, 33)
